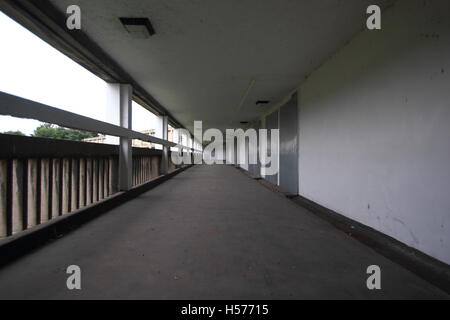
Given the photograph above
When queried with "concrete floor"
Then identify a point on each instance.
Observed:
(209, 233)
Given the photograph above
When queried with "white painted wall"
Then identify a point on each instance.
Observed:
(375, 128)
(230, 150)
(242, 161)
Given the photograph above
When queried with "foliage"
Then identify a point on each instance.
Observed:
(51, 131)
(16, 133)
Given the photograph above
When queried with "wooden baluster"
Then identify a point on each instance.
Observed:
(89, 184)
(18, 196)
(155, 166)
(95, 180)
(3, 198)
(32, 196)
(100, 179)
(105, 177)
(147, 169)
(74, 185)
(45, 190)
(134, 171)
(113, 175)
(140, 170)
(56, 188)
(66, 186)
(82, 184)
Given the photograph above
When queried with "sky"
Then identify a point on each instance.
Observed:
(32, 69)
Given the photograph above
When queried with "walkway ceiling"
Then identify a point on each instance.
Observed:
(213, 60)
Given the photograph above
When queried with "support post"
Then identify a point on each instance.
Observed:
(125, 153)
(119, 108)
(192, 145)
(165, 153)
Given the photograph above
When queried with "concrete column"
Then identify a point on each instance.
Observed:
(192, 145)
(262, 169)
(125, 153)
(113, 109)
(180, 137)
(119, 99)
(164, 124)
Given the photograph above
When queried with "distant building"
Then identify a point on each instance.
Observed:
(144, 144)
(98, 139)
(101, 138)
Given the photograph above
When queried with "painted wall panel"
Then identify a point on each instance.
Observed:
(271, 123)
(374, 128)
(289, 146)
(255, 169)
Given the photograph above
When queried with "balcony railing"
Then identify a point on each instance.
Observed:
(41, 179)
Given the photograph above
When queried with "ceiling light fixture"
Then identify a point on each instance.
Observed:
(140, 28)
(263, 102)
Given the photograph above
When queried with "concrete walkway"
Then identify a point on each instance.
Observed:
(209, 233)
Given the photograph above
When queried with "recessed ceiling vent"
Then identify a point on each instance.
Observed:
(139, 28)
(262, 102)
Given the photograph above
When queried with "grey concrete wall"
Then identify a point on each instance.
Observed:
(272, 122)
(375, 128)
(255, 168)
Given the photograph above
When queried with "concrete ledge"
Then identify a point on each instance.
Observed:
(426, 267)
(13, 247)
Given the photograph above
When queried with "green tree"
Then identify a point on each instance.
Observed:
(51, 131)
(16, 133)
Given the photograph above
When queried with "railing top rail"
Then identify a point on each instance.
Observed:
(17, 147)
(11, 105)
